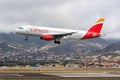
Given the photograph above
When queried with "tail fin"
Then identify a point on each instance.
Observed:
(98, 26)
(95, 30)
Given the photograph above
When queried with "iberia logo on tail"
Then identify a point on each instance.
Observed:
(95, 30)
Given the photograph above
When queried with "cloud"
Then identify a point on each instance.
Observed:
(77, 14)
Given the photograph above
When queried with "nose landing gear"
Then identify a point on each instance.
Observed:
(26, 38)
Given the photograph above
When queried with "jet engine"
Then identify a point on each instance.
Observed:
(47, 37)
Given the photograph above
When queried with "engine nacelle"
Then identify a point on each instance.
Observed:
(47, 37)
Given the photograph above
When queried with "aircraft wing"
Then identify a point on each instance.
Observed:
(58, 36)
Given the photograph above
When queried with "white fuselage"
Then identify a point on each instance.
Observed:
(48, 33)
(41, 31)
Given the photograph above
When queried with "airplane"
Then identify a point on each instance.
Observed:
(48, 33)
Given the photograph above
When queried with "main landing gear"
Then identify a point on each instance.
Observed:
(57, 41)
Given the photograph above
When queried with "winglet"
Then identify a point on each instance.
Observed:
(100, 20)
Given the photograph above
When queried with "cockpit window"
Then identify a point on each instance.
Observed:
(20, 27)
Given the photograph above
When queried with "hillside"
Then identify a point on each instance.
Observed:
(112, 49)
(67, 46)
(78, 47)
(15, 51)
(75, 47)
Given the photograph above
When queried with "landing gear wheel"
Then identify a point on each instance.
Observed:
(57, 42)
